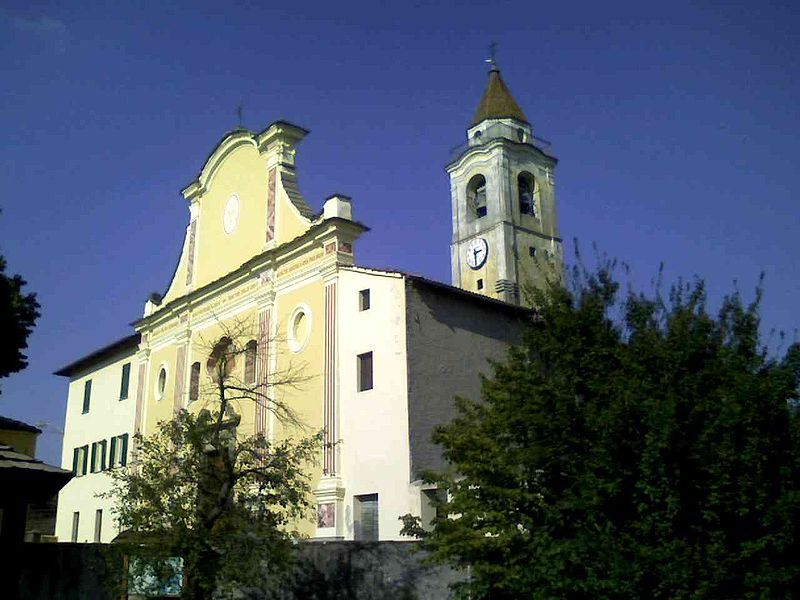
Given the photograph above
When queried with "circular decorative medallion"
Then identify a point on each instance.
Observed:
(231, 215)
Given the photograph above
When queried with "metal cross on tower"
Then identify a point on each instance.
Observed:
(492, 51)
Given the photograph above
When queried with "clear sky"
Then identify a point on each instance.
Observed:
(676, 125)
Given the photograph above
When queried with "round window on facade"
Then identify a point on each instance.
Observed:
(299, 328)
(161, 382)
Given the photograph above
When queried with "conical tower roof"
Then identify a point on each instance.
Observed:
(497, 102)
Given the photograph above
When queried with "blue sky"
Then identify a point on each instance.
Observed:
(676, 125)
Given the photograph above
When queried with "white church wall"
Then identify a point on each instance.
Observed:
(374, 451)
(108, 416)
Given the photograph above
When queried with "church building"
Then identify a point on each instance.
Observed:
(381, 353)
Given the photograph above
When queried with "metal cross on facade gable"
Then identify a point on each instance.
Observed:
(239, 110)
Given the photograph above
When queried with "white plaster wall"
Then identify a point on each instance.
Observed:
(373, 425)
(108, 416)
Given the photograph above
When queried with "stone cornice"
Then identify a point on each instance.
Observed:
(271, 259)
(489, 146)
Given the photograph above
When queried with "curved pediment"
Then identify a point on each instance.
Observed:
(232, 141)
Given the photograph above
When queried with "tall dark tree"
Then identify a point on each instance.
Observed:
(18, 314)
(632, 447)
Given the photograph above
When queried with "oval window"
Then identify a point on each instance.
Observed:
(299, 328)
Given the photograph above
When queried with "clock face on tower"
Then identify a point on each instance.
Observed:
(477, 253)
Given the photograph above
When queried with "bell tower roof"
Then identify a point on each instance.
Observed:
(497, 101)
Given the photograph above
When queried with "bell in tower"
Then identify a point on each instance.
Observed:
(505, 234)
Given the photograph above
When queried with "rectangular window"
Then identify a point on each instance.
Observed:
(365, 517)
(363, 300)
(365, 371)
(194, 382)
(125, 383)
(428, 509)
(98, 525)
(480, 284)
(76, 457)
(531, 250)
(76, 517)
(87, 395)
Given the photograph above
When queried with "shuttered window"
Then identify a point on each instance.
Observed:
(93, 462)
(365, 513)
(363, 300)
(87, 395)
(123, 455)
(365, 371)
(125, 383)
(112, 457)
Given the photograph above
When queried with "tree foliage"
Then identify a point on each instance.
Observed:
(18, 314)
(631, 447)
(224, 502)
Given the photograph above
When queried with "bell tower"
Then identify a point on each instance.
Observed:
(502, 188)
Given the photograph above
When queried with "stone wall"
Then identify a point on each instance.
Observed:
(326, 571)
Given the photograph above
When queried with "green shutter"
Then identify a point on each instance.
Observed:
(112, 458)
(124, 454)
(94, 456)
(103, 447)
(85, 450)
(126, 377)
(75, 461)
(87, 395)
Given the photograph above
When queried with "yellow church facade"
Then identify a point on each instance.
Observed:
(258, 261)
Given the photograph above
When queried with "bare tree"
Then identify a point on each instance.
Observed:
(222, 501)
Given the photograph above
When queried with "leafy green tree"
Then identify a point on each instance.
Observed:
(18, 314)
(631, 447)
(224, 502)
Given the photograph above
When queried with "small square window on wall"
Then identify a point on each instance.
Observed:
(125, 383)
(363, 300)
(364, 371)
(87, 395)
